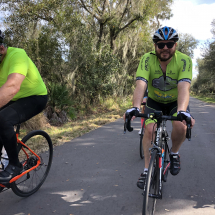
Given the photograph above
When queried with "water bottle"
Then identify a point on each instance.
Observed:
(4, 158)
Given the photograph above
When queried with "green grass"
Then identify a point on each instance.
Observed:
(203, 98)
(108, 111)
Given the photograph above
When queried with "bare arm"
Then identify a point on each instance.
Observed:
(139, 93)
(183, 95)
(10, 88)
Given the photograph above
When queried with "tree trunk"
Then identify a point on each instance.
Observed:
(100, 35)
(112, 37)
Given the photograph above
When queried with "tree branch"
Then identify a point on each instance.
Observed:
(92, 13)
(109, 10)
(103, 7)
(129, 23)
(99, 11)
(126, 7)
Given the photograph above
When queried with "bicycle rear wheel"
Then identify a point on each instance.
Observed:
(39, 142)
(152, 186)
(141, 143)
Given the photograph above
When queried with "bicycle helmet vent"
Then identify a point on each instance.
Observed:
(165, 33)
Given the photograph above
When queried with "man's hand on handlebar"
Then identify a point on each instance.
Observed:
(183, 115)
(131, 113)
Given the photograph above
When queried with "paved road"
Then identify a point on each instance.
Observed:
(96, 174)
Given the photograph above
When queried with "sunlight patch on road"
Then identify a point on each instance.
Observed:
(195, 205)
(86, 144)
(76, 197)
(212, 105)
(73, 197)
(101, 198)
(199, 211)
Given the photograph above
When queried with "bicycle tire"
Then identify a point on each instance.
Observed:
(141, 143)
(152, 186)
(166, 163)
(40, 142)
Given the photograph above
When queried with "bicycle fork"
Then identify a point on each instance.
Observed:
(159, 172)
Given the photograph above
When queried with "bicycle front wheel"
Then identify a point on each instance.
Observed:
(166, 165)
(39, 142)
(152, 186)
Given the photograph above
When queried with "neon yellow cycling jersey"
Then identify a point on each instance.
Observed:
(17, 61)
(160, 88)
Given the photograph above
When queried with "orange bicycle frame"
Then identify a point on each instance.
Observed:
(32, 168)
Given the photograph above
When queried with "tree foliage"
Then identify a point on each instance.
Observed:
(186, 44)
(205, 82)
(91, 48)
(113, 17)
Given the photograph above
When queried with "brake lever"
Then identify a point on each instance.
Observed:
(128, 123)
(188, 133)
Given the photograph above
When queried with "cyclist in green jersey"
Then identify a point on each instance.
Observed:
(167, 73)
(23, 95)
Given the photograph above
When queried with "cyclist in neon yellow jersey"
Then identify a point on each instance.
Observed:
(23, 95)
(167, 73)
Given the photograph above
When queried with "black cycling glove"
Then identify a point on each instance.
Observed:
(128, 115)
(182, 115)
(132, 112)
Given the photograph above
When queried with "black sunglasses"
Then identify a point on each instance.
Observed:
(162, 45)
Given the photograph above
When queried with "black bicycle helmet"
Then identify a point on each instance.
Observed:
(165, 33)
(1, 37)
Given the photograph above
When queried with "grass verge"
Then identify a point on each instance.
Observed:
(203, 98)
(95, 117)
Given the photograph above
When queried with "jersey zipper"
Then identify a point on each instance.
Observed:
(164, 78)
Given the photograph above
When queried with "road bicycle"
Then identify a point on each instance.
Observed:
(159, 159)
(35, 153)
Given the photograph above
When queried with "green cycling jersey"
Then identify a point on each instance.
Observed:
(163, 88)
(17, 61)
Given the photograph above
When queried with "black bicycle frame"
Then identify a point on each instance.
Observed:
(160, 139)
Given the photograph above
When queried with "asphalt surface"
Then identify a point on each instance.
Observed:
(96, 174)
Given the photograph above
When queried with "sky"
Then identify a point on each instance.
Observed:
(193, 17)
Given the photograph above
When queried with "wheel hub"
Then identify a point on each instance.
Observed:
(32, 161)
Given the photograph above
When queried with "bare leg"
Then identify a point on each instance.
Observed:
(178, 135)
(147, 139)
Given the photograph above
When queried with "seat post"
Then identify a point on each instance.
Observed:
(17, 128)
